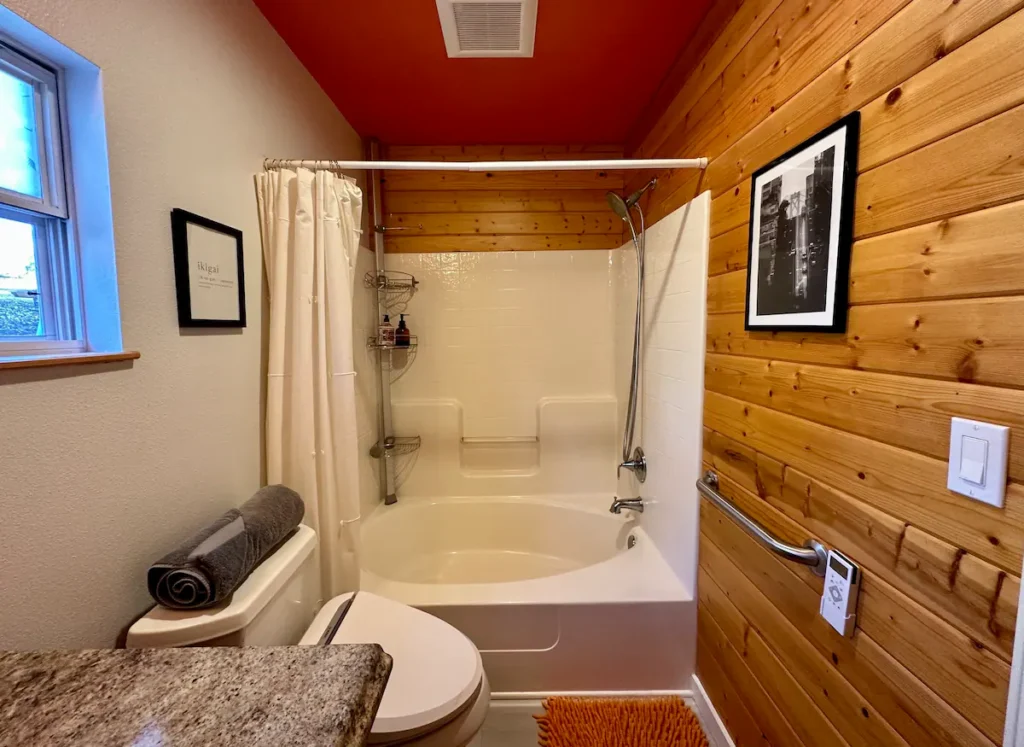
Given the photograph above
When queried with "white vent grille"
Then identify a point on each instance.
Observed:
(488, 28)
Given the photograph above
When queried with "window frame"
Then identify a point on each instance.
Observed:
(57, 262)
(49, 141)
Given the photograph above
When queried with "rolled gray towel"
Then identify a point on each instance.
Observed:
(204, 570)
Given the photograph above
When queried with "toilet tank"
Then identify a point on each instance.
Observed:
(272, 607)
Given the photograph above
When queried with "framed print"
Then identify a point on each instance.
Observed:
(208, 272)
(801, 230)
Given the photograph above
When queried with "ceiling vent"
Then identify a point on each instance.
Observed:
(488, 28)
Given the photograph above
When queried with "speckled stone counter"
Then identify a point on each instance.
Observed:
(288, 695)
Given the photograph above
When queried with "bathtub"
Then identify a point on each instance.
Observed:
(557, 593)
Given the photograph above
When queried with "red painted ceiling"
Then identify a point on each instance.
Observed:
(596, 64)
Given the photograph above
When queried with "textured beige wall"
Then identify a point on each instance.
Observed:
(102, 470)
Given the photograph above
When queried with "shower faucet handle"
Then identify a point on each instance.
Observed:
(637, 465)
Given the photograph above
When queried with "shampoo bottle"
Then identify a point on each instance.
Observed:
(402, 336)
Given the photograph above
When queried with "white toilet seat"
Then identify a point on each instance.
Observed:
(460, 730)
(437, 682)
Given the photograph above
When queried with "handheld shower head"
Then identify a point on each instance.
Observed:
(622, 206)
(618, 204)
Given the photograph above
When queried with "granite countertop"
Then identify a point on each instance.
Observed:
(288, 695)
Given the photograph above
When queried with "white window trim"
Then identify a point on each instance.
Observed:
(87, 200)
(59, 275)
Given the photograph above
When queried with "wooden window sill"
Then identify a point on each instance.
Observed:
(72, 359)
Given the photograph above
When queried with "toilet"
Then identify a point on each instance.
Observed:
(437, 694)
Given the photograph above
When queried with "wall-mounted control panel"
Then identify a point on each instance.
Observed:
(977, 460)
(839, 597)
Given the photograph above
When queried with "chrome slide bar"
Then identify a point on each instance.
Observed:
(812, 554)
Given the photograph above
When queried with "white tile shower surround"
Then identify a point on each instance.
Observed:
(511, 345)
(672, 387)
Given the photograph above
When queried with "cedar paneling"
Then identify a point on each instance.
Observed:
(971, 255)
(985, 78)
(454, 224)
(845, 436)
(909, 413)
(906, 484)
(852, 715)
(728, 251)
(972, 340)
(775, 728)
(920, 34)
(950, 662)
(975, 596)
(508, 201)
(975, 168)
(852, 690)
(730, 705)
(807, 37)
(748, 18)
(502, 211)
(762, 663)
(968, 256)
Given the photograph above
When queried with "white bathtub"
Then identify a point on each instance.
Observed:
(556, 592)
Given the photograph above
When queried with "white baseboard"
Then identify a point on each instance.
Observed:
(718, 735)
(528, 695)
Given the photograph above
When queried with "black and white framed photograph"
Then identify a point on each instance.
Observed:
(801, 231)
(208, 271)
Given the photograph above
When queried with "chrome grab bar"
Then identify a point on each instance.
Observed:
(812, 554)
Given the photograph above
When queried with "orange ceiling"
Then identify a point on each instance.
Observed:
(596, 64)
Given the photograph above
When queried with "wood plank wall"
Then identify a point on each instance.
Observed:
(845, 437)
(505, 211)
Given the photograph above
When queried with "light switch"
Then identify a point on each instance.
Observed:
(973, 452)
(978, 454)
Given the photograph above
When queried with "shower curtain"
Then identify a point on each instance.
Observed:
(310, 229)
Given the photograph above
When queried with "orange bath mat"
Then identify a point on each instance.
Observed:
(619, 722)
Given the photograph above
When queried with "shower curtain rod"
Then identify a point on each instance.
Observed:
(602, 165)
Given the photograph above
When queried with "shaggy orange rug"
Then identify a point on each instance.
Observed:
(619, 722)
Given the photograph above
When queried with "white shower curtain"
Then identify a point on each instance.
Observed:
(310, 225)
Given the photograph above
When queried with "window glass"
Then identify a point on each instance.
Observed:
(19, 154)
(20, 301)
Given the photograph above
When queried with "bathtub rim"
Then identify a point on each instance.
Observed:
(638, 574)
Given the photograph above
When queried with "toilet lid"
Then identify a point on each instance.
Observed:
(436, 670)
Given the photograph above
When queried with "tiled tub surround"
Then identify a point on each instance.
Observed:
(672, 386)
(308, 695)
(515, 356)
(512, 541)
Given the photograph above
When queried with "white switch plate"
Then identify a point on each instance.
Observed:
(964, 473)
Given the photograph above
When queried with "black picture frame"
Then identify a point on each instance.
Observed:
(180, 221)
(809, 290)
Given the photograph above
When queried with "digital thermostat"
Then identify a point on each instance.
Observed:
(839, 597)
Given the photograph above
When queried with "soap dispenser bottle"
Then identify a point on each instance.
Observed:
(386, 333)
(402, 336)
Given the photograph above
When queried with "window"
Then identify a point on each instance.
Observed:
(40, 312)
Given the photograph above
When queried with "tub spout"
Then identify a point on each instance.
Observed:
(630, 504)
